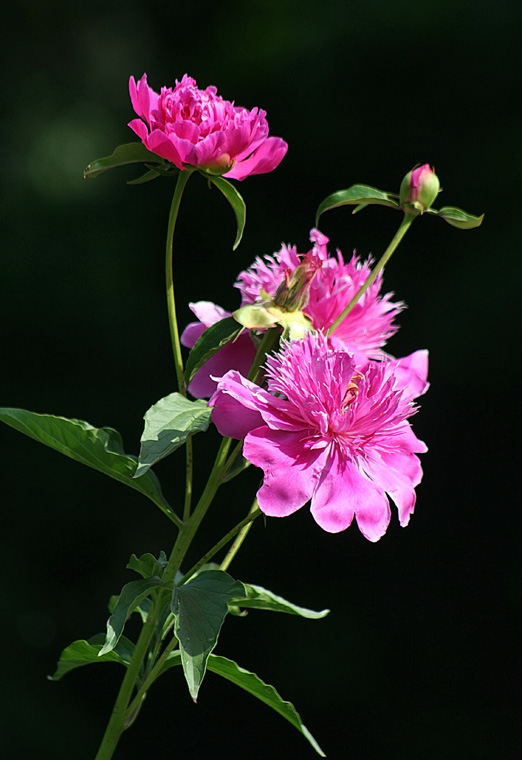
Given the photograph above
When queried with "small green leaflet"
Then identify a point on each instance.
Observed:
(167, 426)
(457, 217)
(99, 448)
(235, 200)
(251, 683)
(211, 340)
(131, 595)
(260, 598)
(359, 196)
(129, 153)
(200, 607)
(83, 652)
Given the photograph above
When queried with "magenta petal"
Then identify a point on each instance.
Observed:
(398, 475)
(266, 158)
(237, 355)
(139, 128)
(158, 143)
(291, 471)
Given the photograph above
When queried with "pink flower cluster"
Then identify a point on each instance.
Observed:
(331, 427)
(193, 127)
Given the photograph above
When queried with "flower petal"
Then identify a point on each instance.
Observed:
(265, 159)
(291, 469)
(343, 492)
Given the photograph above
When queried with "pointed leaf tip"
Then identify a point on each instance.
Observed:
(236, 201)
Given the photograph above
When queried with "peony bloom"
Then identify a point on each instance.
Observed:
(193, 127)
(326, 431)
(368, 325)
(236, 355)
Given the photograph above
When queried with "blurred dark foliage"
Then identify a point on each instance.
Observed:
(420, 657)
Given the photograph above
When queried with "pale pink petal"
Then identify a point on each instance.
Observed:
(411, 373)
(207, 312)
(291, 470)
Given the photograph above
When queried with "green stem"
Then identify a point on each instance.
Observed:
(246, 522)
(183, 178)
(116, 725)
(267, 343)
(243, 533)
(403, 228)
(188, 531)
(135, 705)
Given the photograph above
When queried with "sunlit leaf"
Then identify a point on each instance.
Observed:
(261, 599)
(129, 153)
(168, 423)
(99, 448)
(356, 195)
(200, 607)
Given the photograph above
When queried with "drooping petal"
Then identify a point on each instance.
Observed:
(265, 159)
(291, 469)
(234, 405)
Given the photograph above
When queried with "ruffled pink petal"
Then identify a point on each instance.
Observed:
(266, 158)
(209, 149)
(291, 470)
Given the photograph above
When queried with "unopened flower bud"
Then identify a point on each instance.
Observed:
(293, 293)
(419, 188)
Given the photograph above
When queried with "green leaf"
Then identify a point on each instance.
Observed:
(131, 596)
(130, 153)
(200, 607)
(149, 175)
(261, 599)
(356, 195)
(83, 652)
(99, 448)
(235, 200)
(209, 343)
(248, 681)
(147, 565)
(457, 217)
(167, 426)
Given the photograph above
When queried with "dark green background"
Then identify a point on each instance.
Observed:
(420, 657)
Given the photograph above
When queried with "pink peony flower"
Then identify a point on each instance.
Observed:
(326, 431)
(188, 126)
(237, 355)
(368, 325)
